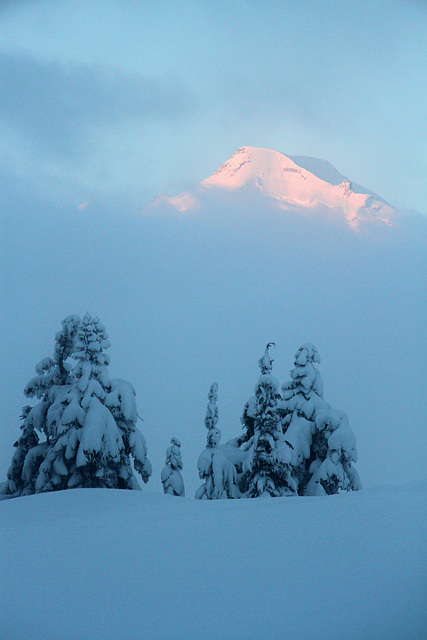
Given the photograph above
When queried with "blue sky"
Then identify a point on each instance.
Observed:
(119, 101)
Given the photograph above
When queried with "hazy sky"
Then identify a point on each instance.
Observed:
(119, 101)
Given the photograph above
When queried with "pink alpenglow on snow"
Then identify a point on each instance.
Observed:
(287, 183)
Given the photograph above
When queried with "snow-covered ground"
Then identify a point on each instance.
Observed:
(85, 564)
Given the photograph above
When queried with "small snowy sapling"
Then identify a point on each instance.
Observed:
(29, 439)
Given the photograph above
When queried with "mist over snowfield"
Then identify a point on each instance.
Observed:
(191, 297)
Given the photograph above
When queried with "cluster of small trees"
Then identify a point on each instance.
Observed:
(293, 442)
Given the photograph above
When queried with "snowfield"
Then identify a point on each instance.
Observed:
(106, 564)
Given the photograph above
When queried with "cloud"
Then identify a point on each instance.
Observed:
(84, 205)
(61, 109)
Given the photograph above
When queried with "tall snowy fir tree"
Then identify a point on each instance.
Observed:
(89, 420)
(52, 374)
(267, 468)
(218, 472)
(173, 483)
(308, 423)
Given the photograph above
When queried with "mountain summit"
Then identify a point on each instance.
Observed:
(290, 182)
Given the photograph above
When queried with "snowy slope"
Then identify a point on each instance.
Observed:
(84, 564)
(327, 172)
(281, 179)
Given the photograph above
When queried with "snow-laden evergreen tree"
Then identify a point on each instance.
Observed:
(29, 439)
(172, 481)
(89, 420)
(267, 468)
(217, 471)
(52, 373)
(308, 422)
(302, 399)
(333, 452)
(211, 417)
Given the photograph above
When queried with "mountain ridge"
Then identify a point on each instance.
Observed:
(326, 171)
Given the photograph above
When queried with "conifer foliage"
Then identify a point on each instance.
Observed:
(333, 455)
(172, 481)
(89, 421)
(218, 472)
(294, 442)
(29, 439)
(302, 400)
(267, 468)
(324, 446)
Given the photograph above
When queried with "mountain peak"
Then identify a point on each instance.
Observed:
(251, 165)
(298, 183)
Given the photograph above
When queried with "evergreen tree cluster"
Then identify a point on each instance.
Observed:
(294, 442)
(82, 430)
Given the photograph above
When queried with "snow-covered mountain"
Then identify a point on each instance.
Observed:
(291, 182)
